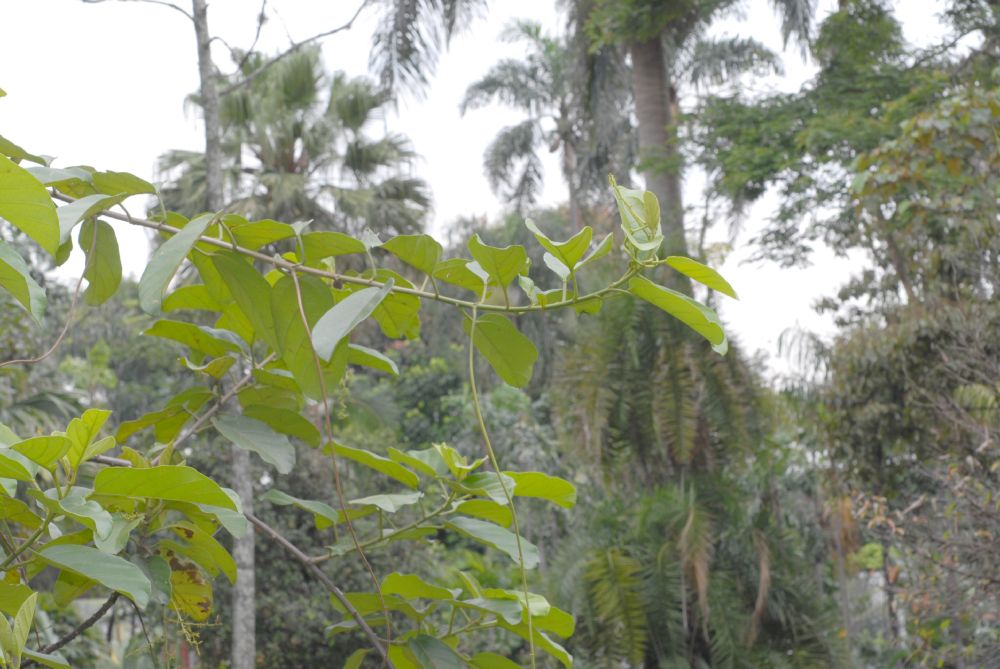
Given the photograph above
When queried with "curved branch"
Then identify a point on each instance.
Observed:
(152, 2)
(82, 627)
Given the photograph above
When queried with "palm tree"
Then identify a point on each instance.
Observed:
(296, 147)
(668, 45)
(540, 85)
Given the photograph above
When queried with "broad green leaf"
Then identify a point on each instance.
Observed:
(603, 248)
(390, 503)
(411, 586)
(76, 505)
(542, 641)
(502, 264)
(487, 509)
(457, 463)
(496, 537)
(320, 245)
(378, 463)
(551, 488)
(251, 293)
(195, 297)
(369, 357)
(14, 510)
(427, 461)
(165, 261)
(397, 314)
(22, 622)
(59, 178)
(83, 208)
(16, 279)
(492, 661)
(254, 435)
(356, 658)
(103, 270)
(115, 183)
(43, 450)
(212, 342)
(204, 549)
(16, 153)
(485, 484)
(285, 421)
(116, 539)
(696, 316)
(12, 596)
(434, 654)
(261, 233)
(511, 355)
(703, 274)
(456, 272)
(295, 344)
(345, 315)
(169, 482)
(26, 204)
(640, 216)
(324, 515)
(421, 252)
(557, 266)
(233, 520)
(15, 466)
(110, 571)
(51, 660)
(8, 647)
(568, 252)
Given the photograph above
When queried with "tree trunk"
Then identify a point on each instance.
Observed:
(244, 650)
(656, 113)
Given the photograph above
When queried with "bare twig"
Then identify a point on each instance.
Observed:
(152, 2)
(82, 627)
(261, 19)
(290, 50)
(321, 576)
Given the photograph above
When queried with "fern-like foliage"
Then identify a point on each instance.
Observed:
(616, 594)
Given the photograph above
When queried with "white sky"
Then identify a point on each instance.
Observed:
(104, 85)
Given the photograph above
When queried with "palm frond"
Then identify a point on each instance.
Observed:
(716, 61)
(512, 165)
(616, 594)
(512, 82)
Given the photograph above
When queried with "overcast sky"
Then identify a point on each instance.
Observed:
(104, 85)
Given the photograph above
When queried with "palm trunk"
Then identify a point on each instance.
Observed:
(656, 113)
(244, 650)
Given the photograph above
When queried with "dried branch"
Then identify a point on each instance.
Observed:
(290, 50)
(152, 2)
(82, 627)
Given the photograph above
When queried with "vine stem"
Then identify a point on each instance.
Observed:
(495, 463)
(328, 428)
(288, 267)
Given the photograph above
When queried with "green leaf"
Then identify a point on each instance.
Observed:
(320, 245)
(557, 266)
(492, 661)
(285, 421)
(103, 270)
(15, 466)
(110, 571)
(456, 272)
(166, 260)
(51, 660)
(43, 450)
(487, 509)
(356, 658)
(368, 357)
(640, 216)
(324, 515)
(261, 233)
(16, 153)
(22, 622)
(485, 484)
(169, 482)
(536, 484)
(115, 183)
(254, 435)
(294, 342)
(195, 297)
(210, 341)
(568, 252)
(116, 538)
(26, 204)
(427, 461)
(12, 596)
(204, 549)
(16, 279)
(497, 537)
(345, 315)
(511, 355)
(378, 463)
(390, 503)
(76, 505)
(502, 264)
(696, 316)
(411, 586)
(541, 640)
(251, 293)
(434, 654)
(603, 248)
(421, 252)
(703, 274)
(397, 314)
(83, 208)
